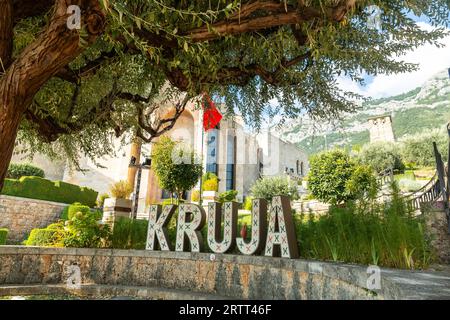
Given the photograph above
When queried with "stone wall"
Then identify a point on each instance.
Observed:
(21, 215)
(437, 229)
(239, 277)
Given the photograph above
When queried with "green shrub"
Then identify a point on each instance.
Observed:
(211, 185)
(84, 231)
(248, 205)
(52, 236)
(228, 196)
(43, 189)
(129, 234)
(19, 170)
(210, 176)
(381, 156)
(65, 213)
(3, 236)
(210, 182)
(334, 177)
(418, 148)
(268, 187)
(75, 208)
(195, 196)
(362, 183)
(69, 211)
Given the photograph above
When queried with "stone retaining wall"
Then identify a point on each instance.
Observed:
(239, 277)
(436, 223)
(21, 215)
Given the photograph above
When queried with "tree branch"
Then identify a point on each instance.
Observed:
(30, 8)
(160, 126)
(6, 34)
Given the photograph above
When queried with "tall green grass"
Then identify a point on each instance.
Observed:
(129, 234)
(366, 233)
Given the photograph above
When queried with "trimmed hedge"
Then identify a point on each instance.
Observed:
(3, 236)
(19, 170)
(43, 189)
(69, 211)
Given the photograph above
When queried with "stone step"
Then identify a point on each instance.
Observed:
(105, 292)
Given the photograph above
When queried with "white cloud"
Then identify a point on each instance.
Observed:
(431, 60)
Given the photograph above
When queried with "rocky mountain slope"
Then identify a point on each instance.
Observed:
(423, 108)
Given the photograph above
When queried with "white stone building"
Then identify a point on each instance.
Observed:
(237, 157)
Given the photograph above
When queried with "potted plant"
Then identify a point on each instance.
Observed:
(210, 188)
(119, 205)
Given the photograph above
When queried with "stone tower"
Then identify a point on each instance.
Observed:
(380, 128)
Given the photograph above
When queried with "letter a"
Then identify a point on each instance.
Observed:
(74, 21)
(284, 238)
(157, 227)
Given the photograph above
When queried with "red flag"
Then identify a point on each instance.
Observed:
(211, 116)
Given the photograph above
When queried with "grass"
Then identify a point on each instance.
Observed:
(366, 233)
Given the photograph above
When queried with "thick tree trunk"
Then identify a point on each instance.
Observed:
(6, 33)
(52, 50)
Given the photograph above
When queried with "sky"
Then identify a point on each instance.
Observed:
(430, 59)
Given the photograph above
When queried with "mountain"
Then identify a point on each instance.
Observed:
(423, 108)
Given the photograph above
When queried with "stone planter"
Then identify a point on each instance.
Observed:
(114, 208)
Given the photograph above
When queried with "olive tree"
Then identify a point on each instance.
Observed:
(67, 89)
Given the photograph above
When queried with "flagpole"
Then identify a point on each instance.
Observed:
(200, 199)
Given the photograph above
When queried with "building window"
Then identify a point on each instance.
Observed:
(230, 177)
(212, 167)
(166, 194)
(211, 152)
(231, 159)
(301, 169)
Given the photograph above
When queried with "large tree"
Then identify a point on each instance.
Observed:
(67, 91)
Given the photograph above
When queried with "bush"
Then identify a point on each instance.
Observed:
(43, 189)
(362, 184)
(70, 211)
(121, 190)
(211, 185)
(52, 236)
(19, 170)
(248, 205)
(335, 178)
(269, 187)
(418, 148)
(84, 231)
(75, 208)
(129, 234)
(195, 196)
(381, 156)
(81, 230)
(176, 166)
(366, 233)
(228, 196)
(3, 236)
(65, 214)
(210, 182)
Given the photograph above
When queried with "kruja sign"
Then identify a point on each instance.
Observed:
(272, 233)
